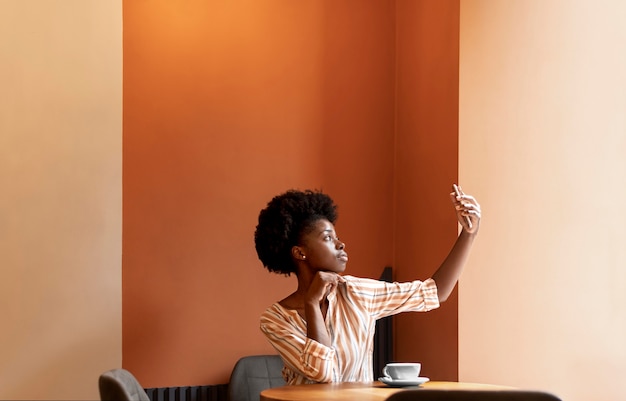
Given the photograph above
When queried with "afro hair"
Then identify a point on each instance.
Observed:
(283, 222)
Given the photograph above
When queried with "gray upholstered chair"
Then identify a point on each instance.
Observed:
(423, 394)
(120, 385)
(253, 374)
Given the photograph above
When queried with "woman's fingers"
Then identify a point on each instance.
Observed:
(467, 208)
(457, 197)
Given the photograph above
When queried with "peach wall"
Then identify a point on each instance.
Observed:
(225, 105)
(60, 219)
(425, 168)
(542, 142)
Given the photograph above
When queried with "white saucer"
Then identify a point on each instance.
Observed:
(403, 383)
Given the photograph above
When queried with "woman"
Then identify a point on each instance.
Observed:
(324, 331)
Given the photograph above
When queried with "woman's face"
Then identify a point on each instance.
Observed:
(322, 248)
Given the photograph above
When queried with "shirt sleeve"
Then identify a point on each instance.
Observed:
(302, 355)
(382, 299)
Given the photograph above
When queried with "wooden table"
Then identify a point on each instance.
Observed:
(374, 391)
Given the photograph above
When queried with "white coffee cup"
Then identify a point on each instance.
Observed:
(402, 370)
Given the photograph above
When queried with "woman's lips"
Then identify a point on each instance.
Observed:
(343, 257)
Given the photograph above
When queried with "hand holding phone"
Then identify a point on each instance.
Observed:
(458, 193)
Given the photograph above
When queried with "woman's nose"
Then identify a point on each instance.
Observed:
(340, 245)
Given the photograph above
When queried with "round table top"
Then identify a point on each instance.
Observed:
(373, 391)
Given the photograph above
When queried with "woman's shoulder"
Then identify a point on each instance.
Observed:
(364, 285)
(277, 312)
(357, 284)
(360, 280)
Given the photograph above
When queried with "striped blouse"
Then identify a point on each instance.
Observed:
(353, 309)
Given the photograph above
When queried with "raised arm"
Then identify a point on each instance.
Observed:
(468, 215)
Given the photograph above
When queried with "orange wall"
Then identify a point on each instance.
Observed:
(425, 168)
(225, 105)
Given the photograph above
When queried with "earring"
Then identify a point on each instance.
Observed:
(303, 257)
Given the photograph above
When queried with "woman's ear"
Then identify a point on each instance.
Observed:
(297, 253)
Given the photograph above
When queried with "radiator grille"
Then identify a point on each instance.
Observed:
(217, 392)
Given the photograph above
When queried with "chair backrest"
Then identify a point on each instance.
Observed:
(423, 394)
(120, 385)
(253, 374)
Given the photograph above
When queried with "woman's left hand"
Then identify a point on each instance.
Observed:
(467, 209)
